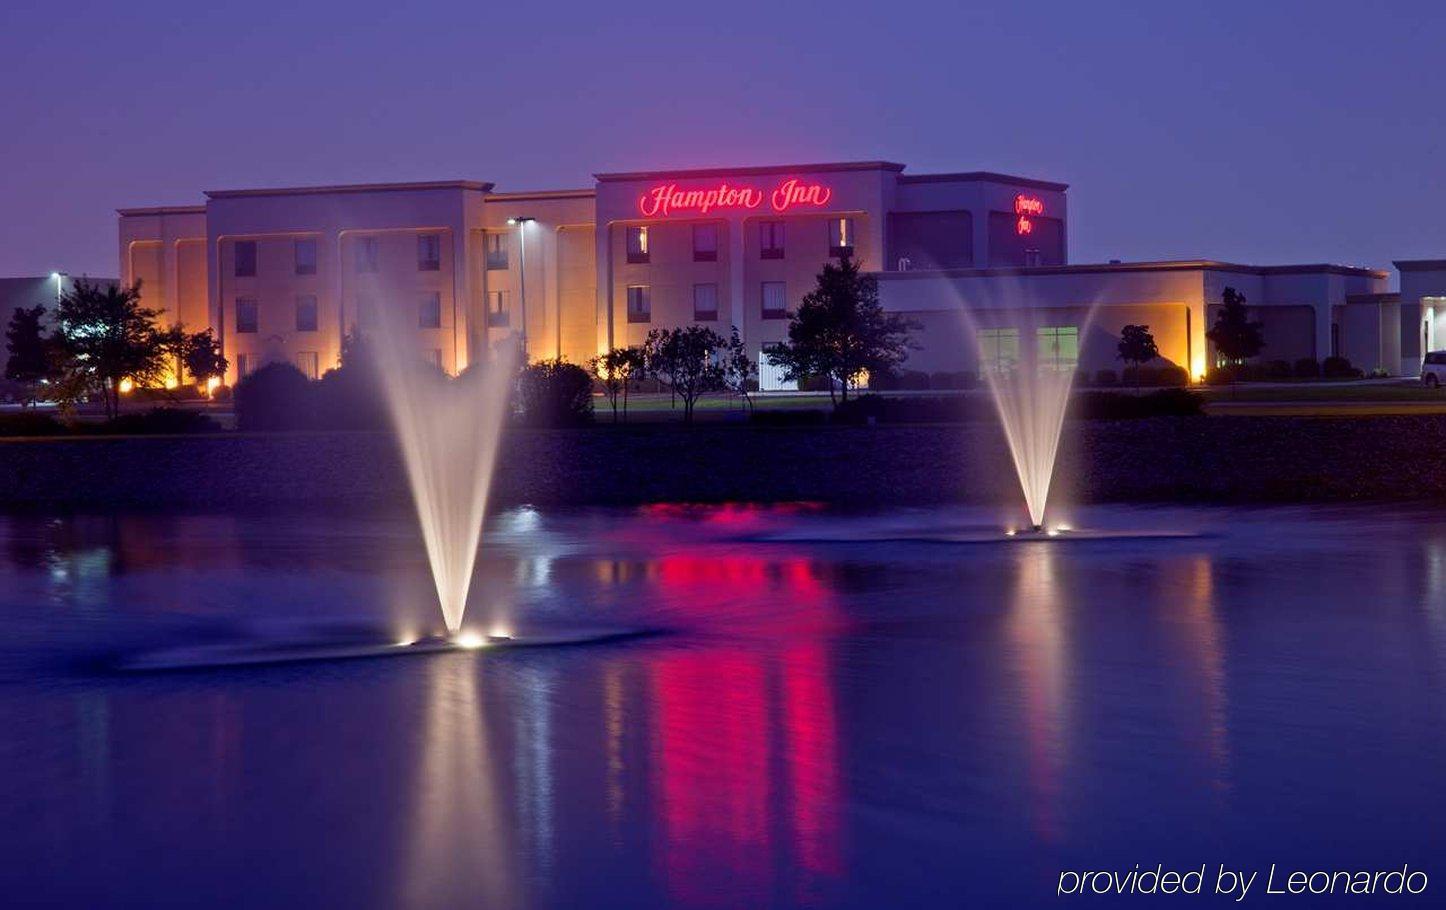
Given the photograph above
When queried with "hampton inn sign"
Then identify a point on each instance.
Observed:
(667, 199)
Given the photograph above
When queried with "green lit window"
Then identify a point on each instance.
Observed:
(1058, 348)
(999, 349)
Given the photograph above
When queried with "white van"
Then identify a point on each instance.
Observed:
(1433, 369)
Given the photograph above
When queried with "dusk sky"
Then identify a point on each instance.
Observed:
(1258, 132)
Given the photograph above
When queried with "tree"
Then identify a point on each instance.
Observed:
(660, 360)
(202, 357)
(107, 337)
(616, 370)
(30, 362)
(690, 356)
(739, 370)
(1137, 346)
(1236, 337)
(841, 332)
(555, 393)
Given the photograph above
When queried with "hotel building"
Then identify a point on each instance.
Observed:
(286, 274)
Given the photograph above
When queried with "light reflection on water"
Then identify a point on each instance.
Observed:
(827, 725)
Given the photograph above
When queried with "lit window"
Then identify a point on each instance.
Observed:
(841, 237)
(1058, 348)
(306, 257)
(640, 303)
(496, 250)
(245, 258)
(705, 243)
(306, 313)
(497, 309)
(770, 239)
(999, 349)
(705, 303)
(247, 318)
(775, 300)
(637, 244)
(429, 252)
(307, 362)
(366, 254)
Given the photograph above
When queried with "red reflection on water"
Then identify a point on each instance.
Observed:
(735, 516)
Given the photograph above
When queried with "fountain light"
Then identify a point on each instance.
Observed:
(469, 640)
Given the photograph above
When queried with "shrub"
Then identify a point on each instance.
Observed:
(1107, 378)
(275, 397)
(162, 420)
(349, 398)
(555, 393)
(1338, 368)
(30, 423)
(951, 380)
(1117, 406)
(1307, 368)
(1278, 369)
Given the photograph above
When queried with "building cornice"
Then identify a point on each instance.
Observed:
(985, 177)
(751, 171)
(353, 188)
(527, 196)
(1420, 265)
(162, 210)
(1184, 265)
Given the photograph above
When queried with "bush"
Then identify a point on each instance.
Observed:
(275, 397)
(349, 397)
(962, 379)
(31, 423)
(1118, 406)
(1167, 375)
(1107, 378)
(1307, 368)
(1278, 369)
(554, 393)
(1338, 368)
(161, 420)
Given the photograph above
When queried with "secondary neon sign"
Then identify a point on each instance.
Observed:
(1025, 209)
(667, 198)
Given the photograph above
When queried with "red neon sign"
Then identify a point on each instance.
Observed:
(666, 198)
(1026, 207)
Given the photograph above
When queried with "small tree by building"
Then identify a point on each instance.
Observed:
(740, 372)
(659, 360)
(1235, 335)
(1137, 346)
(691, 357)
(108, 337)
(616, 371)
(840, 331)
(30, 362)
(555, 393)
(202, 357)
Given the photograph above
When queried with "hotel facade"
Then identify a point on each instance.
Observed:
(287, 274)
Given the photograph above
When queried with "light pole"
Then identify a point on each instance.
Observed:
(522, 221)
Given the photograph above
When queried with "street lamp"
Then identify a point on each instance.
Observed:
(522, 221)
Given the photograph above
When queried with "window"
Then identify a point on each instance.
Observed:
(1058, 348)
(246, 315)
(840, 237)
(640, 303)
(705, 303)
(770, 239)
(366, 311)
(306, 257)
(999, 349)
(306, 313)
(434, 357)
(245, 258)
(637, 244)
(497, 309)
(307, 362)
(705, 243)
(243, 365)
(366, 254)
(775, 300)
(429, 252)
(429, 314)
(496, 250)
(1033, 258)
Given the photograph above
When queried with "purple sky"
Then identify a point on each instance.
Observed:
(1259, 132)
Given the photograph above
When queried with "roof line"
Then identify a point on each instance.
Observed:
(163, 210)
(353, 188)
(752, 171)
(1419, 265)
(1181, 265)
(984, 176)
(524, 195)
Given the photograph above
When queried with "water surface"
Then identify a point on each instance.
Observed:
(829, 725)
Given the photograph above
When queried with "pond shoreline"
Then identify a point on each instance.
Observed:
(1187, 460)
